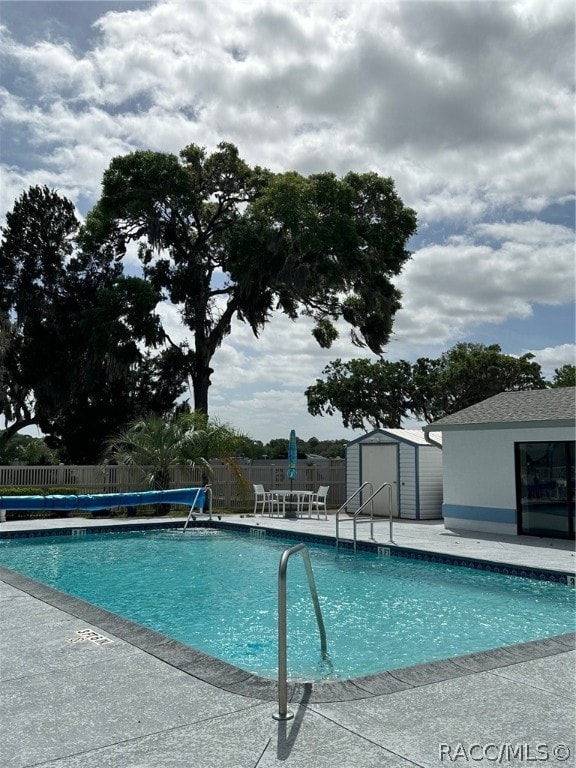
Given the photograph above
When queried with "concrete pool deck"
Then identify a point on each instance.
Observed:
(109, 702)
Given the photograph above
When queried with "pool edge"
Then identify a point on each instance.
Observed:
(390, 549)
(228, 677)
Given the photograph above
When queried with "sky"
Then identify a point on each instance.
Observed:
(468, 106)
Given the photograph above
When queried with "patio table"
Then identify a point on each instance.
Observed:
(303, 500)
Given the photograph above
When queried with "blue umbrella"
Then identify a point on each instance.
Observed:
(292, 457)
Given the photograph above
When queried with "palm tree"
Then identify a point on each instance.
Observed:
(212, 439)
(155, 444)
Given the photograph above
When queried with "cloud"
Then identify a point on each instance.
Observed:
(467, 105)
(494, 272)
(551, 358)
(392, 87)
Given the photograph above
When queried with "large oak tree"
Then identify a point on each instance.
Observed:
(77, 336)
(220, 239)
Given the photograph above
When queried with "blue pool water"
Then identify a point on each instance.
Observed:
(218, 592)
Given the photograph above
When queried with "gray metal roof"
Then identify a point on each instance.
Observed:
(538, 407)
(411, 436)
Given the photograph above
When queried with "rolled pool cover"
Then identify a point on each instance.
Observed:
(192, 497)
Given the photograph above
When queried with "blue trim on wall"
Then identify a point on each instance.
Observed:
(483, 514)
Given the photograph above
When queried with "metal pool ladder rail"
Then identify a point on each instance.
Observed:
(283, 711)
(191, 514)
(371, 520)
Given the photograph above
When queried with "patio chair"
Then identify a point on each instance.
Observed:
(318, 502)
(263, 500)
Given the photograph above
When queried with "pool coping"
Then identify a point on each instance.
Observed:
(390, 549)
(233, 679)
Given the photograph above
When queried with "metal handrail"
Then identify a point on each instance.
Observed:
(283, 711)
(348, 500)
(208, 491)
(371, 519)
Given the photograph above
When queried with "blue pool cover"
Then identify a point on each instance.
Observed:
(193, 497)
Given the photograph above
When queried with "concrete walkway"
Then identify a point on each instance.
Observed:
(131, 698)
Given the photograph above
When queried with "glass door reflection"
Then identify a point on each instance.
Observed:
(545, 488)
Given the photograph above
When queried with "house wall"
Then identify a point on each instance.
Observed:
(479, 476)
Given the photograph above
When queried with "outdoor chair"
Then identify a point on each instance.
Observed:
(263, 501)
(318, 502)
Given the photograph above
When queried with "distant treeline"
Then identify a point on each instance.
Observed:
(33, 451)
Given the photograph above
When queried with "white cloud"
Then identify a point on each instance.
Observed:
(467, 105)
(495, 272)
(273, 413)
(551, 358)
(285, 354)
(390, 84)
(533, 233)
(57, 70)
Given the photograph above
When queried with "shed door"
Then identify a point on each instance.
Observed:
(380, 465)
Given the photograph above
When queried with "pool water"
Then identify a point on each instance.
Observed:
(218, 592)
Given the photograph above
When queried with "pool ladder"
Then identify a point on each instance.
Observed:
(192, 514)
(356, 520)
(283, 712)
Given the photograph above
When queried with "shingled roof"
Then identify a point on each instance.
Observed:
(539, 407)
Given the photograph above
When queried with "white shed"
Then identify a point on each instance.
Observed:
(406, 460)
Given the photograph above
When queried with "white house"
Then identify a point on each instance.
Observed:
(508, 464)
(404, 459)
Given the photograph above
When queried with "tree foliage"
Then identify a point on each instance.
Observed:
(565, 376)
(383, 393)
(81, 345)
(467, 374)
(220, 239)
(379, 394)
(27, 450)
(77, 336)
(36, 244)
(154, 444)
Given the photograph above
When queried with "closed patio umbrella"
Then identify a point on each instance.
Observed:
(292, 457)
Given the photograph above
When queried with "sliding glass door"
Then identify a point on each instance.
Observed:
(545, 488)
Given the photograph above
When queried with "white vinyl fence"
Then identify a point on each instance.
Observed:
(228, 491)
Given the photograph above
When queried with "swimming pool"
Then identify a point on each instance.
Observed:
(217, 591)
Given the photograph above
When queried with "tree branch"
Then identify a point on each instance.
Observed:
(13, 429)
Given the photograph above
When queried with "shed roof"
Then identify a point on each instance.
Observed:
(539, 407)
(411, 436)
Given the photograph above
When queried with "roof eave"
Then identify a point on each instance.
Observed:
(535, 424)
